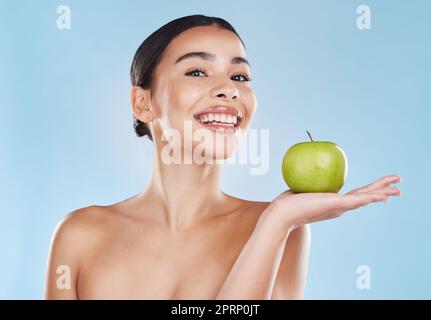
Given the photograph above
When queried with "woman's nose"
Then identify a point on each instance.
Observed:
(225, 90)
(227, 96)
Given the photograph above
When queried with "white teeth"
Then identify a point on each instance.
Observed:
(226, 119)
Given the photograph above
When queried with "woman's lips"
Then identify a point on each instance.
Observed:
(221, 119)
(219, 127)
(228, 110)
(218, 121)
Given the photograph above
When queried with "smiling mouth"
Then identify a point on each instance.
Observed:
(223, 120)
(219, 122)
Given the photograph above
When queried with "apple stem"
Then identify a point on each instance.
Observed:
(310, 136)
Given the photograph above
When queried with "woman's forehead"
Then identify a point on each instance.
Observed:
(221, 43)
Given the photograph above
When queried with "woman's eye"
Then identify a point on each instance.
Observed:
(195, 73)
(243, 76)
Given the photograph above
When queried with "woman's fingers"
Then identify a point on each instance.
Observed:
(360, 199)
(312, 207)
(389, 191)
(339, 204)
(356, 200)
(378, 184)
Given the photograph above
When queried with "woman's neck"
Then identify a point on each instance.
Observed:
(184, 193)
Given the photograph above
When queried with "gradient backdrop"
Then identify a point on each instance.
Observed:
(66, 133)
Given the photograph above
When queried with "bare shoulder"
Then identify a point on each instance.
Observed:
(250, 206)
(81, 224)
(80, 232)
(74, 240)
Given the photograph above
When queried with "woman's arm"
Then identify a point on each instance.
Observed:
(254, 272)
(292, 273)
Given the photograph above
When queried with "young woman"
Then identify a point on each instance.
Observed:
(182, 237)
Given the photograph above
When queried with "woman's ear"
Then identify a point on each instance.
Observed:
(141, 107)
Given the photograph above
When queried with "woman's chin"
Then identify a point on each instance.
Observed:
(212, 156)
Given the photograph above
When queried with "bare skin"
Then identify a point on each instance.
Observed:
(182, 237)
(126, 254)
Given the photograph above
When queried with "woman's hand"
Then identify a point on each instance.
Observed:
(297, 209)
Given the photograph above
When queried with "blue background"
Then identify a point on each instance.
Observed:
(67, 142)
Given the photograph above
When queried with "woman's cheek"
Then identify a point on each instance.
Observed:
(249, 101)
(176, 109)
(187, 95)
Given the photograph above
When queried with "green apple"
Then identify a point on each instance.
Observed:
(315, 166)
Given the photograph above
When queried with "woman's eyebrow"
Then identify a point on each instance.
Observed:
(210, 57)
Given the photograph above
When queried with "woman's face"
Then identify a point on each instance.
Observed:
(201, 91)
